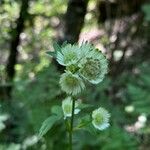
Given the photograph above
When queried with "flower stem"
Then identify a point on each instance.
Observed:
(71, 125)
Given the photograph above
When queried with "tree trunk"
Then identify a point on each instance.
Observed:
(118, 8)
(73, 23)
(74, 20)
(15, 40)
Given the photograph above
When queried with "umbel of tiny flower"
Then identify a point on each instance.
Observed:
(100, 118)
(83, 63)
(67, 107)
(94, 67)
(71, 83)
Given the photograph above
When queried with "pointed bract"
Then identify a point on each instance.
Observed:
(68, 55)
(67, 107)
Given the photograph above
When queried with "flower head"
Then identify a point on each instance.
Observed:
(100, 118)
(71, 83)
(94, 67)
(68, 55)
(67, 107)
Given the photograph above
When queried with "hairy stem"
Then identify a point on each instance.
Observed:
(71, 125)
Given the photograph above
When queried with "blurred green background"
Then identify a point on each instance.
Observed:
(29, 79)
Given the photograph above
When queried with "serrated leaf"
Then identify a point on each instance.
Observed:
(47, 125)
(53, 54)
(57, 110)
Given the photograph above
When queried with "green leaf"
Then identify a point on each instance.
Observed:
(48, 124)
(84, 121)
(53, 54)
(91, 129)
(84, 106)
(86, 124)
(57, 110)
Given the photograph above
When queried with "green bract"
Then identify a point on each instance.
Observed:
(84, 49)
(67, 107)
(71, 83)
(100, 118)
(68, 55)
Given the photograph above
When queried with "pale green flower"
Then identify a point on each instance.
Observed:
(94, 67)
(100, 118)
(71, 83)
(68, 55)
(67, 107)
